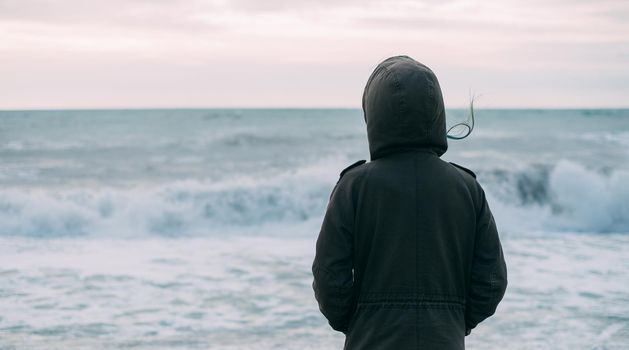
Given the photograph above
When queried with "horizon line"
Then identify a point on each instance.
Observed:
(42, 109)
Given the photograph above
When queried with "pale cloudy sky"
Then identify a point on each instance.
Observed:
(308, 53)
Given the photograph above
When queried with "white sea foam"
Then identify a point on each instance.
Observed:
(246, 292)
(196, 228)
(567, 197)
(187, 207)
(590, 201)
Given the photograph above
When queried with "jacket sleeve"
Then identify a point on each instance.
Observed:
(489, 272)
(333, 263)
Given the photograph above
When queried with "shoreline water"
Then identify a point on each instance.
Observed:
(185, 295)
(196, 228)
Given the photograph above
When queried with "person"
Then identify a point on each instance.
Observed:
(408, 256)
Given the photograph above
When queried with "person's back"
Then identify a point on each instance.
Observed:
(408, 256)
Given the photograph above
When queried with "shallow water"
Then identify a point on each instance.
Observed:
(196, 228)
(567, 291)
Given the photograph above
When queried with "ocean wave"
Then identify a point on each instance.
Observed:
(565, 197)
(620, 138)
(190, 207)
(253, 140)
(181, 209)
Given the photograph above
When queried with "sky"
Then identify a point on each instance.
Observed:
(309, 53)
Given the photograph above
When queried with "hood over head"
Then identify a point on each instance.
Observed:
(403, 108)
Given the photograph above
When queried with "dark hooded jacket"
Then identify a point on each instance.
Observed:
(408, 256)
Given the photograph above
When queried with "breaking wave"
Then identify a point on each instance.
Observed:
(182, 208)
(565, 197)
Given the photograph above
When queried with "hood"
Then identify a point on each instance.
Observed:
(403, 108)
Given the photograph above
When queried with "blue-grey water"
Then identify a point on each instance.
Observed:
(195, 229)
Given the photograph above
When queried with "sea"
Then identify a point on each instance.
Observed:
(195, 228)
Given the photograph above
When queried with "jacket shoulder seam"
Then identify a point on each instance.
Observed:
(356, 164)
(464, 169)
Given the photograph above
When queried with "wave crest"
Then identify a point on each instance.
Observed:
(565, 197)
